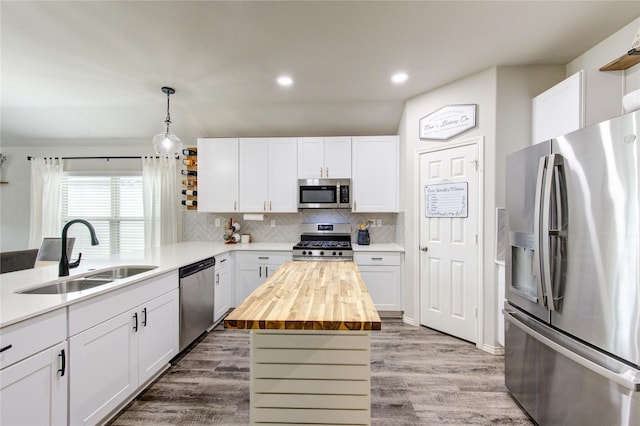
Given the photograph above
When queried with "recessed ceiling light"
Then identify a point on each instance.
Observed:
(285, 80)
(399, 77)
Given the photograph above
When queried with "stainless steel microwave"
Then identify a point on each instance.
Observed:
(324, 193)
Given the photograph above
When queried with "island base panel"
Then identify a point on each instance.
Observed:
(310, 377)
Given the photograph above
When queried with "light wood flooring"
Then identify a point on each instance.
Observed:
(418, 377)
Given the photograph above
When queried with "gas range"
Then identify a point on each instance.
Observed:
(324, 242)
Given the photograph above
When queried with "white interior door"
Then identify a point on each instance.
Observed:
(448, 240)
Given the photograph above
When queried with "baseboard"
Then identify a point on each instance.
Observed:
(410, 321)
(493, 350)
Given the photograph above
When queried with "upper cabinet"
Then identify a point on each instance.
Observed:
(218, 181)
(375, 174)
(324, 158)
(268, 175)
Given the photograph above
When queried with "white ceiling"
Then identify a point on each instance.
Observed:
(92, 71)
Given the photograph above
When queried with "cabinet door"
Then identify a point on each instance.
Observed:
(375, 174)
(103, 371)
(283, 183)
(218, 179)
(157, 334)
(254, 171)
(311, 158)
(223, 286)
(34, 391)
(383, 284)
(248, 278)
(337, 158)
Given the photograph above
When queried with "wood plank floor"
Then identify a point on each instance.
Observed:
(419, 377)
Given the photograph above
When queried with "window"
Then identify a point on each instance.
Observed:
(112, 203)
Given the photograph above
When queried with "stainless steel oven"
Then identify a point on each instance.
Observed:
(324, 193)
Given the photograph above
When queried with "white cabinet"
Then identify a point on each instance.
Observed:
(253, 268)
(324, 158)
(382, 274)
(375, 174)
(268, 175)
(119, 342)
(218, 179)
(223, 296)
(35, 370)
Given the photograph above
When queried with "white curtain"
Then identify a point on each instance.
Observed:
(159, 186)
(46, 199)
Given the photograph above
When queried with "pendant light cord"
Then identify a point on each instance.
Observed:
(167, 121)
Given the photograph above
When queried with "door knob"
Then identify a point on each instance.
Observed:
(425, 248)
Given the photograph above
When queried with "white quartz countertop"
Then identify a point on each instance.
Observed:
(15, 307)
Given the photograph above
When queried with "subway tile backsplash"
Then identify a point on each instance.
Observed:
(200, 226)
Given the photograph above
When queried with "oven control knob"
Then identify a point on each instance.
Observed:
(304, 253)
(339, 253)
(334, 253)
(321, 253)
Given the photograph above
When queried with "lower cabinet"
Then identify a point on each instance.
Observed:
(116, 357)
(223, 295)
(35, 369)
(34, 391)
(253, 268)
(382, 274)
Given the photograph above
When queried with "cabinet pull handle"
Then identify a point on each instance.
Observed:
(376, 258)
(6, 348)
(266, 268)
(235, 204)
(264, 206)
(270, 206)
(217, 278)
(223, 260)
(263, 257)
(327, 173)
(260, 272)
(320, 171)
(135, 324)
(63, 362)
(144, 321)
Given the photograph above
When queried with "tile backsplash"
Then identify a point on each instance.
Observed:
(200, 226)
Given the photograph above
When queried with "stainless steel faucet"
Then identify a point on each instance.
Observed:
(63, 267)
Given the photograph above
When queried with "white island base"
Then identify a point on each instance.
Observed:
(310, 377)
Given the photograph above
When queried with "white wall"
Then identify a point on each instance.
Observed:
(605, 89)
(503, 96)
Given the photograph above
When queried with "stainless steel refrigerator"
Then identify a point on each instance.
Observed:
(572, 316)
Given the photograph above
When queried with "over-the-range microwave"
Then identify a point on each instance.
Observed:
(324, 193)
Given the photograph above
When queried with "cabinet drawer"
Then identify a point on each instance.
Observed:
(33, 335)
(223, 260)
(377, 258)
(258, 257)
(85, 315)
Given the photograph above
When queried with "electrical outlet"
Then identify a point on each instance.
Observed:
(273, 223)
(217, 221)
(373, 223)
(378, 222)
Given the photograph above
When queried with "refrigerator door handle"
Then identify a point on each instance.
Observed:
(537, 255)
(626, 377)
(554, 161)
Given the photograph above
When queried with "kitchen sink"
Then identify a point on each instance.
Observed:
(90, 281)
(121, 272)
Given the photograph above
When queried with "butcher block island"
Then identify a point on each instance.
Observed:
(310, 345)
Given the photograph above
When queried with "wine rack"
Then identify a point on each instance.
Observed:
(190, 178)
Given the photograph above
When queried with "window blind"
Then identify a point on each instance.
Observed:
(112, 203)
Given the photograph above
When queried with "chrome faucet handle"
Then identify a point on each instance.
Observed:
(76, 263)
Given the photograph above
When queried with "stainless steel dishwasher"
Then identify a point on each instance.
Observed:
(196, 300)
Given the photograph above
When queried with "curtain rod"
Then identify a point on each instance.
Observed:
(29, 158)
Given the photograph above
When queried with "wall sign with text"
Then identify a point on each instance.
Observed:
(448, 121)
(446, 200)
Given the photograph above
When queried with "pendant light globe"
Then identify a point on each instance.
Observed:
(166, 143)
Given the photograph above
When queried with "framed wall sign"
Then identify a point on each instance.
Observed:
(446, 200)
(448, 121)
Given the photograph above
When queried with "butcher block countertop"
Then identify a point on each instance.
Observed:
(309, 296)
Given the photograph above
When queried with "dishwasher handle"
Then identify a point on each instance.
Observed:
(194, 268)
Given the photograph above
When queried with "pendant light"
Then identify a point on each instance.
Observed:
(166, 143)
